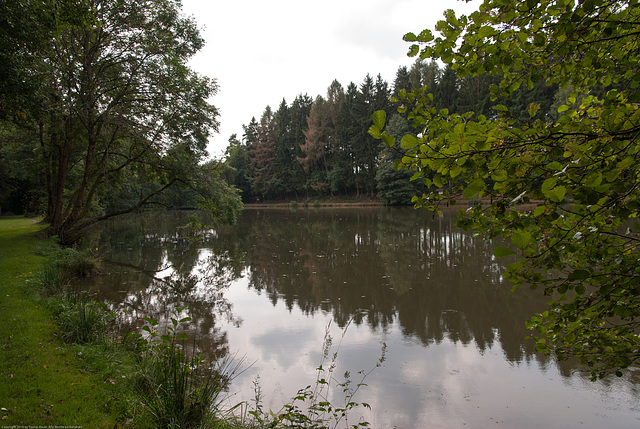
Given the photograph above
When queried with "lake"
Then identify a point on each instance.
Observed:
(272, 286)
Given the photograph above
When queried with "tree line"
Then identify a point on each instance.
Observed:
(318, 148)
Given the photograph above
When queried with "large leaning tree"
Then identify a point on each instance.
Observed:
(116, 108)
(578, 171)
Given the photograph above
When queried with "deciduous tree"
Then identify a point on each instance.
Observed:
(237, 160)
(115, 101)
(578, 238)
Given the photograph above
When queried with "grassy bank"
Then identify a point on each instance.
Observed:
(61, 365)
(42, 381)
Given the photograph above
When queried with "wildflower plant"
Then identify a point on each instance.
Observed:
(313, 406)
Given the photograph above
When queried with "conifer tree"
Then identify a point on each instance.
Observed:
(262, 155)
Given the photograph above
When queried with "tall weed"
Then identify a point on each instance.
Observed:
(313, 407)
(82, 321)
(177, 388)
(51, 281)
(64, 265)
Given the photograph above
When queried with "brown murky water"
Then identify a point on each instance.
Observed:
(268, 288)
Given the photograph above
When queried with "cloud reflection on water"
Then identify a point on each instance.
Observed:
(268, 287)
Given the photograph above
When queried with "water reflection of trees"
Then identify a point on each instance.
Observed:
(152, 268)
(385, 265)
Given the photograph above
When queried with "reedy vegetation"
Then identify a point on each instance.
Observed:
(313, 406)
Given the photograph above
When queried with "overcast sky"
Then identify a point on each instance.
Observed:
(261, 51)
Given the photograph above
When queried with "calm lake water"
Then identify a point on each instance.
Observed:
(271, 286)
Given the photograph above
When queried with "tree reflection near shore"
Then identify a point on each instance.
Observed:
(268, 286)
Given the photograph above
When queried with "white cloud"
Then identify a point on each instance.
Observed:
(261, 52)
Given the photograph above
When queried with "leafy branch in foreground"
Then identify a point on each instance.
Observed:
(578, 172)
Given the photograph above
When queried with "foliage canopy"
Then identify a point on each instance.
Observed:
(578, 169)
(113, 109)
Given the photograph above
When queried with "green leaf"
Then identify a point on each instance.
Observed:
(416, 175)
(483, 145)
(627, 162)
(521, 239)
(379, 118)
(502, 251)
(474, 188)
(485, 31)
(548, 185)
(533, 109)
(410, 37)
(408, 141)
(388, 139)
(539, 210)
(500, 175)
(425, 36)
(557, 194)
(555, 165)
(375, 132)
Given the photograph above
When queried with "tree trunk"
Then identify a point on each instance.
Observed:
(77, 204)
(56, 218)
(49, 184)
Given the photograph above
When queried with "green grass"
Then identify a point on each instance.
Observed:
(57, 368)
(42, 381)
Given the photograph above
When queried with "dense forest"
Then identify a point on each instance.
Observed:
(318, 148)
